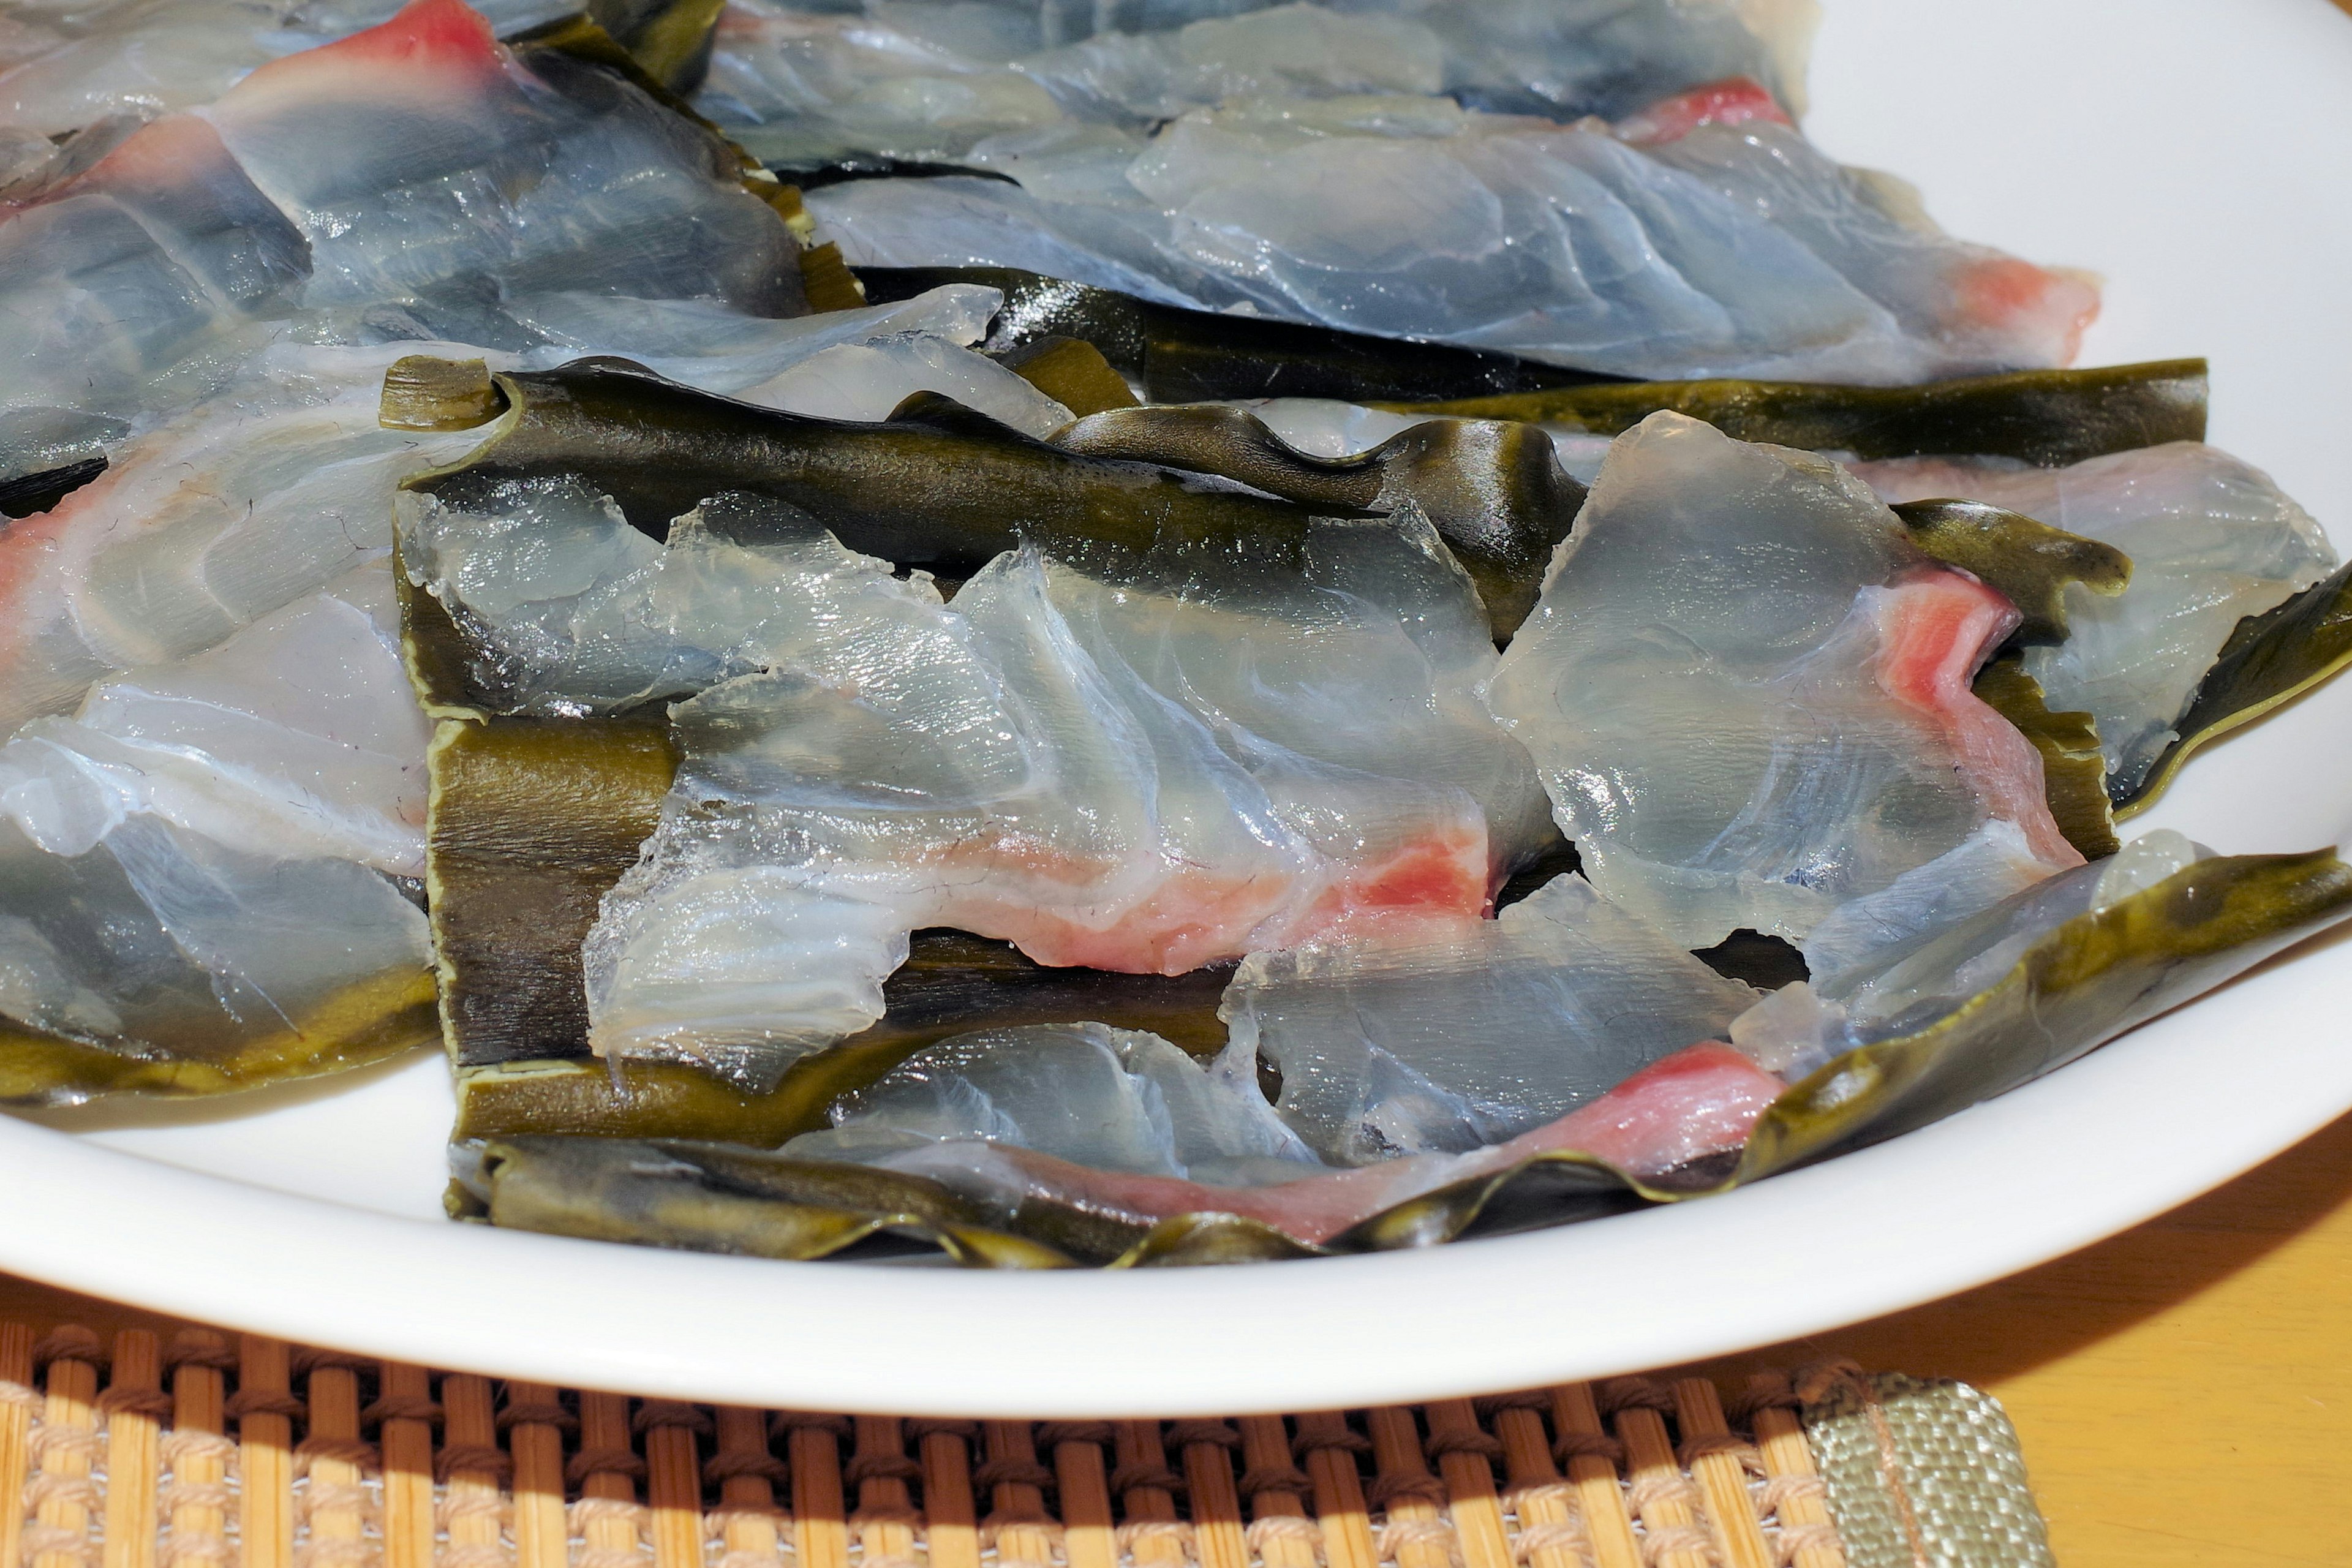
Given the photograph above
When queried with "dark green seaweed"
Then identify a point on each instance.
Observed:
(2074, 769)
(2270, 660)
(714, 1199)
(2030, 563)
(1492, 490)
(2047, 417)
(1179, 355)
(936, 486)
(367, 1023)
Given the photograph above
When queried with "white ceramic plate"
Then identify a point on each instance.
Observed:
(2193, 151)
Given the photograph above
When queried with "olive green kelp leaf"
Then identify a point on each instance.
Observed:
(2074, 769)
(2030, 563)
(662, 48)
(2073, 987)
(365, 1023)
(952, 984)
(1491, 488)
(713, 1199)
(2048, 417)
(941, 487)
(935, 486)
(1178, 355)
(2270, 659)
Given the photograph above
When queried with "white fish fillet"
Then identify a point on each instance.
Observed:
(1473, 1035)
(1126, 773)
(1748, 693)
(924, 82)
(1698, 248)
(1116, 1099)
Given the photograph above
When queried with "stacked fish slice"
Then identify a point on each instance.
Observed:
(1143, 633)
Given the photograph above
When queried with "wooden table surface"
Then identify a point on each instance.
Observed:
(2183, 1391)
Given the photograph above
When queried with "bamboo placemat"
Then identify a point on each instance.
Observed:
(207, 1453)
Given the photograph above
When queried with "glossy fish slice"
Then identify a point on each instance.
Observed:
(2269, 661)
(546, 817)
(1695, 1106)
(192, 887)
(412, 180)
(1112, 1099)
(1146, 773)
(1474, 1035)
(1966, 1014)
(1728, 250)
(2213, 543)
(1748, 690)
(65, 66)
(927, 83)
(210, 522)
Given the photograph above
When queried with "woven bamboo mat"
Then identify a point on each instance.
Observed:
(205, 1453)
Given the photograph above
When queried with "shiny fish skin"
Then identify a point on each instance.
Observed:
(1748, 692)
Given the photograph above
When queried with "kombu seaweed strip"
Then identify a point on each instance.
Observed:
(365, 1023)
(2029, 563)
(2046, 417)
(1491, 489)
(2270, 660)
(2074, 769)
(1179, 355)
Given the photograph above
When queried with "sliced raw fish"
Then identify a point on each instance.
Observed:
(570, 611)
(1695, 1105)
(420, 157)
(413, 180)
(1474, 1036)
(1145, 772)
(283, 479)
(2211, 542)
(299, 735)
(65, 64)
(1730, 250)
(1748, 693)
(1905, 984)
(203, 525)
(922, 82)
(715, 346)
(1117, 1099)
(868, 381)
(194, 887)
